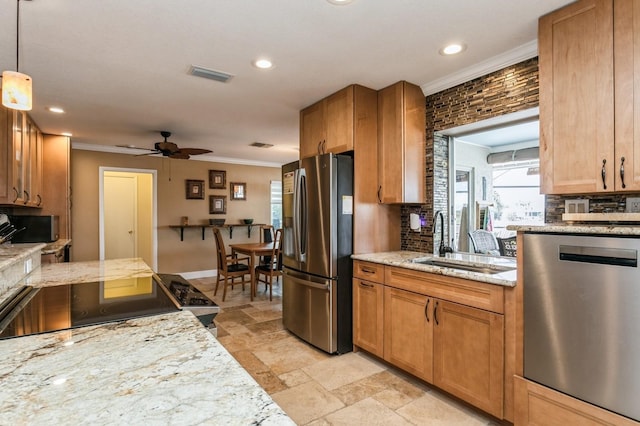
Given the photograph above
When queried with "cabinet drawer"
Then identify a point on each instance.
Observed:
(466, 292)
(368, 271)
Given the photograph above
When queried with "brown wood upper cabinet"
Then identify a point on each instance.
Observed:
(21, 159)
(401, 144)
(328, 125)
(589, 82)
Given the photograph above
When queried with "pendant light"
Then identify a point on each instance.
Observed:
(16, 86)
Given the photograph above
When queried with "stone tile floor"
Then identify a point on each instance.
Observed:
(315, 388)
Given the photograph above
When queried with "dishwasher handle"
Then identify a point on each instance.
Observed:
(599, 255)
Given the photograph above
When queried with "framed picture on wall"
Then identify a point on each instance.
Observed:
(217, 204)
(195, 189)
(238, 191)
(217, 179)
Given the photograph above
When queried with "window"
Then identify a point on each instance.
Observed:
(516, 194)
(276, 204)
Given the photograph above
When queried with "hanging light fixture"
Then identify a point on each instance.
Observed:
(16, 86)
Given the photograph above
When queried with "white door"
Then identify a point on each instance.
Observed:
(128, 214)
(120, 215)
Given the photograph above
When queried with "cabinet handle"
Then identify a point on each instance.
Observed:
(17, 194)
(324, 146)
(435, 313)
(368, 271)
(28, 197)
(363, 284)
(319, 147)
(379, 190)
(604, 174)
(39, 200)
(622, 172)
(426, 312)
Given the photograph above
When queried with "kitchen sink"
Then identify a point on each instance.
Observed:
(488, 269)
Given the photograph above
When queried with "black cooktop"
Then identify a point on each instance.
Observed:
(40, 310)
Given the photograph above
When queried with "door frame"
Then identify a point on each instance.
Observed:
(154, 208)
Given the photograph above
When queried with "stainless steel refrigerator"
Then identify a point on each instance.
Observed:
(317, 200)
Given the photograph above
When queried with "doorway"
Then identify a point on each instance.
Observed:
(128, 214)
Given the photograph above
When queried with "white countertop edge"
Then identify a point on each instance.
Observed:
(604, 229)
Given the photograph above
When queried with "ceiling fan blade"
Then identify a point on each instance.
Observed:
(194, 151)
(179, 155)
(154, 152)
(167, 146)
(135, 147)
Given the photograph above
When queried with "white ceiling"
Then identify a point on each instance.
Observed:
(508, 135)
(119, 67)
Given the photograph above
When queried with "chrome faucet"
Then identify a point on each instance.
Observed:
(443, 248)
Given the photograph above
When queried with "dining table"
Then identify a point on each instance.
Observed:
(253, 250)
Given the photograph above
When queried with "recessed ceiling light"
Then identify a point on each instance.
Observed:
(452, 49)
(263, 64)
(56, 109)
(67, 134)
(340, 2)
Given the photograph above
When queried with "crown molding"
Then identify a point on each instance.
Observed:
(513, 56)
(208, 158)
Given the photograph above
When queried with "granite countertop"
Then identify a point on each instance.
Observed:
(55, 246)
(163, 369)
(406, 259)
(11, 253)
(579, 228)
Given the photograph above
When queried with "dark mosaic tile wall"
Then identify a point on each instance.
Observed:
(511, 89)
(610, 203)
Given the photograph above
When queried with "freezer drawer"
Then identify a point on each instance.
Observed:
(308, 309)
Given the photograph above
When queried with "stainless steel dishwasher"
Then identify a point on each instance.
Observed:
(582, 317)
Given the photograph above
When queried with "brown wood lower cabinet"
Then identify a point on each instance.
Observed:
(539, 405)
(437, 328)
(469, 354)
(408, 332)
(368, 315)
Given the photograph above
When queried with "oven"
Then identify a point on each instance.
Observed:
(38, 310)
(582, 317)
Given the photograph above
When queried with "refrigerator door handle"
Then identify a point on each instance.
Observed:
(300, 215)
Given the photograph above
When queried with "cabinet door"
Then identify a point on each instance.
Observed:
(401, 144)
(6, 155)
(469, 354)
(368, 315)
(577, 99)
(627, 95)
(408, 332)
(339, 121)
(312, 133)
(20, 141)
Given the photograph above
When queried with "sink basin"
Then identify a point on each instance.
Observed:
(488, 269)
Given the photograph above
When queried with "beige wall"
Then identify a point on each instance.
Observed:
(192, 254)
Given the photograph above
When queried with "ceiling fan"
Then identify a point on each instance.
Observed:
(170, 149)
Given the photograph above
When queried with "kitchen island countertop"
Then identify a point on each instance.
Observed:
(163, 369)
(406, 259)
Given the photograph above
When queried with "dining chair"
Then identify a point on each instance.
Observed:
(507, 246)
(266, 236)
(271, 271)
(484, 242)
(230, 267)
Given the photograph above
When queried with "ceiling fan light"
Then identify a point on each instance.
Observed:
(16, 91)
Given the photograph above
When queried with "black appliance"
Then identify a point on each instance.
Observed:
(39, 310)
(317, 245)
(38, 229)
